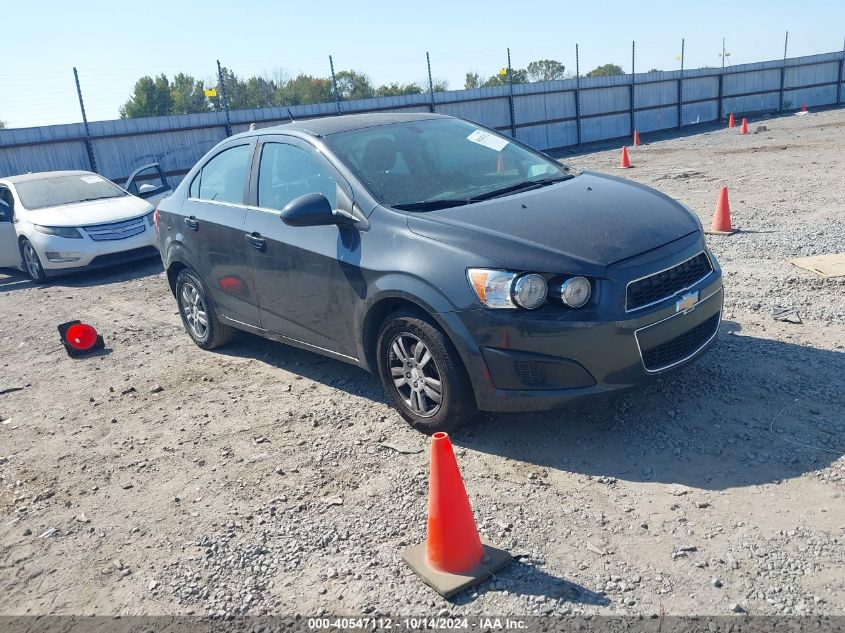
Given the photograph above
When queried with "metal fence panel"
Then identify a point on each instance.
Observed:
(542, 114)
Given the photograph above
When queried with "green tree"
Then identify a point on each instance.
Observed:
(439, 85)
(394, 89)
(151, 97)
(520, 76)
(546, 70)
(2, 125)
(304, 89)
(655, 70)
(353, 85)
(187, 95)
(472, 80)
(606, 70)
(259, 92)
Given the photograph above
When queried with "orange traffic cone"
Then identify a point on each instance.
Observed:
(636, 138)
(624, 163)
(453, 556)
(731, 120)
(80, 338)
(722, 218)
(803, 107)
(744, 125)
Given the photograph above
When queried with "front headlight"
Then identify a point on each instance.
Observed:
(575, 292)
(60, 231)
(503, 289)
(492, 287)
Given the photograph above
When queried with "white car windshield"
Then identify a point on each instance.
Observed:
(439, 163)
(57, 190)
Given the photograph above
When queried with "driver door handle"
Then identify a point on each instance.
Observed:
(192, 223)
(256, 241)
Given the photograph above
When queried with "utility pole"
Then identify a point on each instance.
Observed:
(334, 85)
(577, 96)
(430, 82)
(510, 86)
(633, 71)
(681, 87)
(88, 144)
(783, 72)
(223, 96)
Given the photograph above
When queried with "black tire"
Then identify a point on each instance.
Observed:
(457, 399)
(193, 300)
(31, 262)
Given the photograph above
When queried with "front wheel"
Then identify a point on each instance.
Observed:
(31, 262)
(423, 375)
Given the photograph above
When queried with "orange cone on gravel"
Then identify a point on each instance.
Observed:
(731, 122)
(803, 107)
(744, 125)
(453, 556)
(624, 163)
(636, 138)
(722, 218)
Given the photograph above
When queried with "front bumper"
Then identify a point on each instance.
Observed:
(522, 361)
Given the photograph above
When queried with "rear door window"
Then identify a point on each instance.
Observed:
(222, 178)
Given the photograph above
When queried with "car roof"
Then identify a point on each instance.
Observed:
(46, 174)
(324, 126)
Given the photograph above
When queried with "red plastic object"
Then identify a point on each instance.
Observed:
(452, 542)
(81, 337)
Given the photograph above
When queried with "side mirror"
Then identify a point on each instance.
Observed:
(312, 209)
(5, 212)
(146, 188)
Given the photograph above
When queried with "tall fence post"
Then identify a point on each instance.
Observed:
(89, 146)
(510, 95)
(783, 73)
(633, 71)
(334, 86)
(681, 88)
(841, 68)
(225, 99)
(430, 82)
(577, 96)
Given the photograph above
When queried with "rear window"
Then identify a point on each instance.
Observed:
(58, 190)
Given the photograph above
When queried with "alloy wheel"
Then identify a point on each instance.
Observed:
(415, 375)
(193, 307)
(30, 258)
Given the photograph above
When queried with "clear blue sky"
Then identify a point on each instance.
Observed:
(114, 43)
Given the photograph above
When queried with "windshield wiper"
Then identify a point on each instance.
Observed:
(526, 185)
(431, 205)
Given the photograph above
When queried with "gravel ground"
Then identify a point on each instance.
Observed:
(158, 478)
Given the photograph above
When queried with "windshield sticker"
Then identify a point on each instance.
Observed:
(488, 140)
(92, 180)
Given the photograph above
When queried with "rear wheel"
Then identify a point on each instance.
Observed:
(31, 262)
(199, 316)
(423, 375)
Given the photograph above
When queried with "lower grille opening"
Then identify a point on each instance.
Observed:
(681, 346)
(528, 372)
(124, 256)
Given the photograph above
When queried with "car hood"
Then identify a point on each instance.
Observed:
(94, 212)
(582, 225)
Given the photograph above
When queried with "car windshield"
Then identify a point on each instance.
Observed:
(439, 163)
(57, 190)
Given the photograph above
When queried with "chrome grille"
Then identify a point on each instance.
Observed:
(681, 347)
(667, 283)
(116, 230)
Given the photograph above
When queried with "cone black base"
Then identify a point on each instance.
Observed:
(72, 351)
(446, 584)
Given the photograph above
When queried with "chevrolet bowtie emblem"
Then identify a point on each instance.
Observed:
(687, 302)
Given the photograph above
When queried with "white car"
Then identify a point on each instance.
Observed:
(54, 223)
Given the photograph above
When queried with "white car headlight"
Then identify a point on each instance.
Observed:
(529, 291)
(60, 231)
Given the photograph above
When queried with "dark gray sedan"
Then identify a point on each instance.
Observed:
(469, 271)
